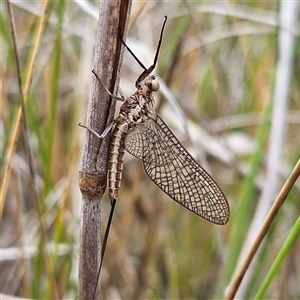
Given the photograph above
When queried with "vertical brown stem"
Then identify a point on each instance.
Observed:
(94, 157)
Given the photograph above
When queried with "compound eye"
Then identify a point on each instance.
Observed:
(154, 85)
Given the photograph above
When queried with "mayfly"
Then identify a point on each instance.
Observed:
(142, 132)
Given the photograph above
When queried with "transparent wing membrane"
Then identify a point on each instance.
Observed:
(174, 170)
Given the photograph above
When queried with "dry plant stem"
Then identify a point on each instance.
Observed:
(35, 194)
(268, 221)
(12, 144)
(94, 157)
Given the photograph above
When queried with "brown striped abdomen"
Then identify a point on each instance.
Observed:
(116, 159)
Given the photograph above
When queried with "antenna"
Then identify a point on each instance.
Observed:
(147, 71)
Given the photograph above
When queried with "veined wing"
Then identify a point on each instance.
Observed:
(173, 169)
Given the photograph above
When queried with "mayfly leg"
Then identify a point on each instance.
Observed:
(109, 126)
(103, 134)
(106, 89)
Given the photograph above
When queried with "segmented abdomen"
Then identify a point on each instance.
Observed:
(116, 159)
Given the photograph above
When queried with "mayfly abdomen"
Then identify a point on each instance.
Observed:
(116, 159)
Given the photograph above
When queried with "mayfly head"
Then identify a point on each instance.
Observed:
(147, 86)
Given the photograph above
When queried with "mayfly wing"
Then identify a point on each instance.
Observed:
(173, 170)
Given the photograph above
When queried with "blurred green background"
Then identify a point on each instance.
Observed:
(222, 78)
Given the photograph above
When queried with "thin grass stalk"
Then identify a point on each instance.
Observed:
(12, 143)
(264, 228)
(35, 193)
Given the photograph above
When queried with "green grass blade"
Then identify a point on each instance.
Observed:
(279, 259)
